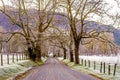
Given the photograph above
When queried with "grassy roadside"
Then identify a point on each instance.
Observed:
(83, 69)
(8, 72)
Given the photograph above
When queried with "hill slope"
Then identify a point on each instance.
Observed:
(6, 24)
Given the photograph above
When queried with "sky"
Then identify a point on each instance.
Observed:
(114, 5)
(114, 9)
(111, 3)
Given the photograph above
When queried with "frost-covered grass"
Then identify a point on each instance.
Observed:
(60, 58)
(8, 71)
(107, 59)
(96, 72)
(44, 59)
(13, 69)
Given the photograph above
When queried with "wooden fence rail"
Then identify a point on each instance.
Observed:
(103, 67)
(11, 58)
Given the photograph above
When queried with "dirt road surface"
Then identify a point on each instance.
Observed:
(55, 70)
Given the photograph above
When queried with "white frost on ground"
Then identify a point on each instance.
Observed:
(60, 58)
(7, 71)
(43, 59)
(107, 59)
(10, 58)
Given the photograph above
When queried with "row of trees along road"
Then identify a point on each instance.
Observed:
(34, 17)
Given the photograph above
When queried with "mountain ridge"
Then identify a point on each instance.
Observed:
(7, 25)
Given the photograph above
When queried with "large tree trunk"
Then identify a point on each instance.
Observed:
(64, 49)
(39, 56)
(38, 53)
(30, 50)
(58, 54)
(31, 56)
(77, 52)
(71, 56)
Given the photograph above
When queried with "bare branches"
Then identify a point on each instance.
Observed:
(11, 34)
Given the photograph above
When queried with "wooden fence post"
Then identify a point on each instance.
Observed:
(17, 57)
(22, 57)
(109, 69)
(28, 57)
(1, 60)
(7, 58)
(89, 63)
(82, 61)
(100, 66)
(114, 69)
(94, 65)
(85, 62)
(13, 58)
(104, 67)
(25, 56)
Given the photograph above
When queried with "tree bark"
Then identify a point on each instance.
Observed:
(58, 53)
(30, 52)
(77, 52)
(38, 53)
(71, 56)
(64, 49)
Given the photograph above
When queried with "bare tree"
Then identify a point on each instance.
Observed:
(44, 20)
(78, 12)
(20, 16)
